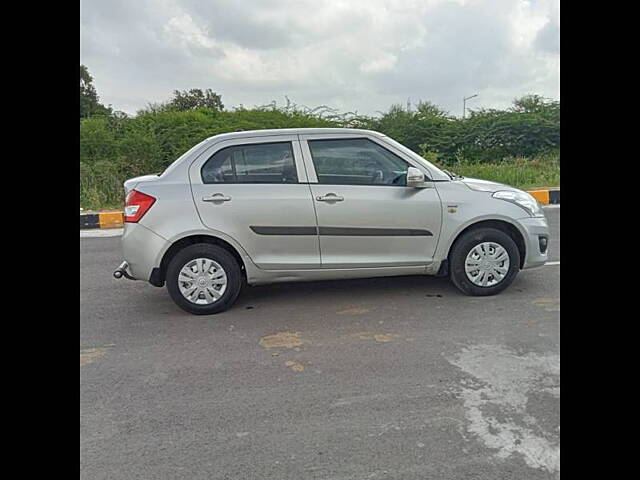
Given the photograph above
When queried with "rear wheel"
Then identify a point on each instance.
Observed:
(204, 279)
(484, 262)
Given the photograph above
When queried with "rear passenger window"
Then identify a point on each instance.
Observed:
(255, 163)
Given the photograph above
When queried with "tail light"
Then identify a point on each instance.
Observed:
(136, 205)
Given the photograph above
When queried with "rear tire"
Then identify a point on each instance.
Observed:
(204, 279)
(484, 262)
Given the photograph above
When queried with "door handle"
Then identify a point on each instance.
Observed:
(216, 197)
(330, 197)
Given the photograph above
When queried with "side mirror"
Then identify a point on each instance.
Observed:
(415, 178)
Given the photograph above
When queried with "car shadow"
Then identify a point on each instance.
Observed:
(355, 289)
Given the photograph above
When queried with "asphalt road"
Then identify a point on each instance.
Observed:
(402, 378)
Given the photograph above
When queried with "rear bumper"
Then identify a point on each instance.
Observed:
(142, 250)
(533, 229)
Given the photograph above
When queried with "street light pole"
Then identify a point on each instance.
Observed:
(464, 104)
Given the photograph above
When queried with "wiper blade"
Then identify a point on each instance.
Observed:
(453, 176)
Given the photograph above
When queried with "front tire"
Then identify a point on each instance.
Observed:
(484, 262)
(204, 279)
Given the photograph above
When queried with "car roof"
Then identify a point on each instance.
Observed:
(293, 131)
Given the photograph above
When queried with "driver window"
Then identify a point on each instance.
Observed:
(356, 161)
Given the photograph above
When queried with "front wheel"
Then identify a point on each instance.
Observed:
(204, 279)
(484, 262)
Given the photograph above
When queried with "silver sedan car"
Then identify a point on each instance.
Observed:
(268, 206)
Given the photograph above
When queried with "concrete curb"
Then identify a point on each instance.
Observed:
(115, 218)
(107, 219)
(546, 196)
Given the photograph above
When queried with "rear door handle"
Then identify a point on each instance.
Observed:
(330, 197)
(216, 197)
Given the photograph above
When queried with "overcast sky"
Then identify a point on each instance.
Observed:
(351, 55)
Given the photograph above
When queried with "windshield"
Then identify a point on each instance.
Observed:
(437, 173)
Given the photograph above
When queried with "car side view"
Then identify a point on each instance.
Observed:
(266, 206)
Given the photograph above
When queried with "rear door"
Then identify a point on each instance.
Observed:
(255, 190)
(367, 216)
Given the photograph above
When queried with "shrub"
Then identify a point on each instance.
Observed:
(116, 147)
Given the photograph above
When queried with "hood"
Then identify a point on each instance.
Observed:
(132, 182)
(485, 185)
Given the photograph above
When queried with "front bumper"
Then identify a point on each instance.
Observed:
(533, 228)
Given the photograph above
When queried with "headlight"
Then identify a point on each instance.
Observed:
(521, 199)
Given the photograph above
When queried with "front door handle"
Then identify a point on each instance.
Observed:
(330, 197)
(216, 197)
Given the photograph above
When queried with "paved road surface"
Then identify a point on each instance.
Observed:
(390, 378)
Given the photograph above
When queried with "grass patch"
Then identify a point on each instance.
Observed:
(523, 173)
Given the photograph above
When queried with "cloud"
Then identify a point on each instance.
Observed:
(548, 38)
(353, 55)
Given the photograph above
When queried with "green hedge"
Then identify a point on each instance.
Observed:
(116, 147)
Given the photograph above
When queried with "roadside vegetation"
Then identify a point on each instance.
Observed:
(526, 173)
(542, 170)
(519, 146)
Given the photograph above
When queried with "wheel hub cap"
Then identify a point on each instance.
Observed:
(202, 281)
(487, 264)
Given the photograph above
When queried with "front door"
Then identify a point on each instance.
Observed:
(255, 191)
(367, 216)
